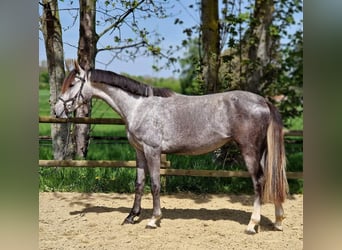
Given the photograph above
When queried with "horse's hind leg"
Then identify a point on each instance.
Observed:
(279, 215)
(252, 161)
(139, 187)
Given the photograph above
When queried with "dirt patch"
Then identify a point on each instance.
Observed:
(93, 221)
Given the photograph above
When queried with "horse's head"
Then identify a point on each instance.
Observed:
(74, 92)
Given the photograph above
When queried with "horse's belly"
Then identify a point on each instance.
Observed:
(195, 148)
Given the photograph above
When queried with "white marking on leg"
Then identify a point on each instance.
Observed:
(153, 221)
(279, 215)
(255, 218)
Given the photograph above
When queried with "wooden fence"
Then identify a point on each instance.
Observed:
(165, 165)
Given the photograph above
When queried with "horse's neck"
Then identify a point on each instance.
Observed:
(122, 102)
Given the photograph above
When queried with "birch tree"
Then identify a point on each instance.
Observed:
(87, 51)
(52, 33)
(86, 57)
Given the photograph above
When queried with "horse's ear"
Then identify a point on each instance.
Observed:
(76, 66)
(79, 68)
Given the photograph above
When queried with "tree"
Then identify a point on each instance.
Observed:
(210, 45)
(52, 32)
(254, 58)
(114, 16)
(260, 46)
(87, 51)
(253, 61)
(86, 57)
(259, 53)
(190, 81)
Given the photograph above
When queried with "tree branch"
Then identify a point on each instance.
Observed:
(121, 18)
(110, 48)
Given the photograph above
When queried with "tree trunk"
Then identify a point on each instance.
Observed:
(86, 58)
(260, 45)
(211, 45)
(88, 38)
(52, 33)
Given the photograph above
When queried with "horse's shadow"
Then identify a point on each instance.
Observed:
(201, 214)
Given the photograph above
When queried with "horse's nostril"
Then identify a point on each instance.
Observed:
(55, 113)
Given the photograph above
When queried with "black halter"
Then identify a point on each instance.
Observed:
(77, 96)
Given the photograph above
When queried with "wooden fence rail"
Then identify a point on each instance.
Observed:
(165, 168)
(165, 165)
(83, 120)
(118, 121)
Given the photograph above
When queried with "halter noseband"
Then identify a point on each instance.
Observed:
(75, 97)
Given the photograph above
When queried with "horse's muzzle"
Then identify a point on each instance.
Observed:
(59, 110)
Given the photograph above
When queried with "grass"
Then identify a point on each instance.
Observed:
(122, 180)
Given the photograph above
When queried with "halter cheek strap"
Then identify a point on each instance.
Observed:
(78, 95)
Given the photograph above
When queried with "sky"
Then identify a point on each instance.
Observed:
(140, 66)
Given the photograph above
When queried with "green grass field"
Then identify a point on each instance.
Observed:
(122, 180)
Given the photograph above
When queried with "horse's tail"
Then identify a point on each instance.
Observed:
(275, 188)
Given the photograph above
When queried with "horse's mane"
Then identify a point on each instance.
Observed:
(127, 84)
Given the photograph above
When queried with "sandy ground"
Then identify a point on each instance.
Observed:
(93, 221)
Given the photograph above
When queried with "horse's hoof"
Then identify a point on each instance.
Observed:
(151, 226)
(250, 231)
(253, 230)
(278, 227)
(128, 221)
(154, 222)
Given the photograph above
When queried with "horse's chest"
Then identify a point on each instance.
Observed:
(147, 131)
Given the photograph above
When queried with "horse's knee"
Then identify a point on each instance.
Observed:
(155, 184)
(155, 188)
(139, 186)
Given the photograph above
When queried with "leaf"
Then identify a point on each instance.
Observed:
(135, 4)
(188, 32)
(154, 67)
(155, 50)
(184, 43)
(243, 16)
(178, 21)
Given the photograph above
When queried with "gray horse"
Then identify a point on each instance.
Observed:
(161, 121)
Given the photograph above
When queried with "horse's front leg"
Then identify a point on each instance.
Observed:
(139, 187)
(153, 161)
